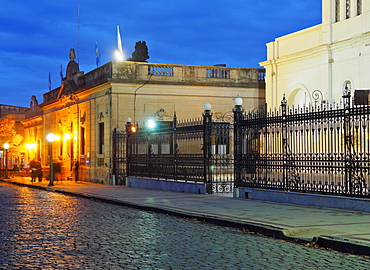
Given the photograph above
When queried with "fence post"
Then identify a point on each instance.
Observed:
(114, 154)
(347, 140)
(207, 125)
(284, 140)
(128, 146)
(238, 141)
(175, 149)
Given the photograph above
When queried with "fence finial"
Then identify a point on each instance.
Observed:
(346, 93)
(284, 101)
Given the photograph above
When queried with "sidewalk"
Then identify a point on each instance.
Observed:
(343, 230)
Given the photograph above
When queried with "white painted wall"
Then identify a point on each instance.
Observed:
(323, 57)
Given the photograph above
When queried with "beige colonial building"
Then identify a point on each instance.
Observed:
(14, 113)
(86, 108)
(16, 154)
(323, 59)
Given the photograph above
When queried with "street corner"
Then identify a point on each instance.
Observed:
(308, 233)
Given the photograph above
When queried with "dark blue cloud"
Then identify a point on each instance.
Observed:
(35, 36)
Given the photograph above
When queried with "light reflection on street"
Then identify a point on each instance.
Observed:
(47, 230)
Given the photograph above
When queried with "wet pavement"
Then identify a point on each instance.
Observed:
(49, 230)
(339, 229)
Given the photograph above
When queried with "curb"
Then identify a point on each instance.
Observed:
(342, 244)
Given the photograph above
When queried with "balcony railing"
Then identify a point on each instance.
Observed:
(137, 72)
(160, 70)
(218, 73)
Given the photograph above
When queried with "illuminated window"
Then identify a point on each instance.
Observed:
(348, 9)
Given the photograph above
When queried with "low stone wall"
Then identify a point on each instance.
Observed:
(198, 188)
(319, 200)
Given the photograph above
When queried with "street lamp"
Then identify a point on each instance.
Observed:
(51, 138)
(207, 106)
(118, 55)
(151, 124)
(238, 101)
(6, 147)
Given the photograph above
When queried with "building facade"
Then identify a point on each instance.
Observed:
(318, 63)
(33, 132)
(16, 154)
(14, 113)
(86, 108)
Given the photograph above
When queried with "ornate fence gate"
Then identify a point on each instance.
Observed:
(198, 151)
(323, 149)
(119, 157)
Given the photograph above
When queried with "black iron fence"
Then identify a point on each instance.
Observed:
(198, 151)
(324, 149)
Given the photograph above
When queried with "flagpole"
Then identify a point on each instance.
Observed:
(78, 46)
(61, 74)
(49, 82)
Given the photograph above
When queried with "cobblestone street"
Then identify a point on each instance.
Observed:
(47, 230)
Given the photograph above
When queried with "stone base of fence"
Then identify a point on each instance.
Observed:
(319, 200)
(178, 186)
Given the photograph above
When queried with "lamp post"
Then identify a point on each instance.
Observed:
(51, 138)
(6, 147)
(238, 142)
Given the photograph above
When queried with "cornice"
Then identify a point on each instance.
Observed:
(33, 121)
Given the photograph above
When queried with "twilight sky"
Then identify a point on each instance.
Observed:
(35, 36)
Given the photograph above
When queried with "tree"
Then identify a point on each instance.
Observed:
(141, 52)
(8, 133)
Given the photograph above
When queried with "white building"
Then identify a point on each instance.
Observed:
(326, 57)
